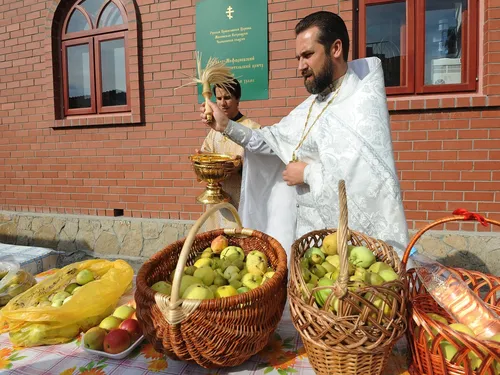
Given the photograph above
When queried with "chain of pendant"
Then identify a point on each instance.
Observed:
(304, 133)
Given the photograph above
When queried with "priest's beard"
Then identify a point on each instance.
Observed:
(320, 81)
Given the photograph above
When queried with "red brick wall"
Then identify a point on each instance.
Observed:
(447, 148)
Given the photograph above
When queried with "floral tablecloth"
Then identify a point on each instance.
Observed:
(283, 355)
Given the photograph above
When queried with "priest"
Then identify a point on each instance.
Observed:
(340, 132)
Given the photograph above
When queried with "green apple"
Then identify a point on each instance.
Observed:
(314, 279)
(71, 287)
(94, 338)
(355, 285)
(67, 299)
(203, 262)
(232, 253)
(162, 287)
(124, 312)
(329, 245)
(213, 288)
(388, 275)
(256, 262)
(219, 280)
(315, 255)
(84, 276)
(267, 276)
(206, 275)
(231, 272)
(189, 270)
(448, 350)
(243, 289)
(322, 295)
(379, 266)
(361, 256)
(235, 283)
(243, 272)
(373, 278)
(110, 322)
(225, 291)
(76, 290)
(198, 291)
(58, 298)
(251, 280)
(186, 282)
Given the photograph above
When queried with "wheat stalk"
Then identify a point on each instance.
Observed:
(215, 73)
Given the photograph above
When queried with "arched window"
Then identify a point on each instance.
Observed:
(95, 59)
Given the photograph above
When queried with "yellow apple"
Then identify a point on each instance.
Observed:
(225, 291)
(329, 245)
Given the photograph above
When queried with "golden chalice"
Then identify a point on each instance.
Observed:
(213, 169)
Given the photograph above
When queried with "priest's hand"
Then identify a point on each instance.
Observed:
(294, 173)
(219, 119)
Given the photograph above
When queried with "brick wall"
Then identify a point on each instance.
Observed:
(447, 147)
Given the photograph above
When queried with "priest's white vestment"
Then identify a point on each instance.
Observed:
(351, 141)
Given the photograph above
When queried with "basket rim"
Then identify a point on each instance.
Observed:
(275, 282)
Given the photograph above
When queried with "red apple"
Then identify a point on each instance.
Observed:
(132, 327)
(116, 341)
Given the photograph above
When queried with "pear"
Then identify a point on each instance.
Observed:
(219, 243)
(322, 295)
(388, 275)
(315, 255)
(71, 287)
(379, 266)
(328, 266)
(162, 287)
(329, 246)
(374, 279)
(189, 270)
(334, 260)
(318, 270)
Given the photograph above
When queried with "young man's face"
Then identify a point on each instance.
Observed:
(315, 65)
(227, 102)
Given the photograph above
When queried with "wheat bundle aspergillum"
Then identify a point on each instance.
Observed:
(215, 73)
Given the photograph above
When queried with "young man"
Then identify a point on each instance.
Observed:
(339, 132)
(228, 102)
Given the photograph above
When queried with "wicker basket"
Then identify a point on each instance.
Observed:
(425, 334)
(217, 332)
(359, 338)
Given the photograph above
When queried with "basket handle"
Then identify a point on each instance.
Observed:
(458, 215)
(173, 308)
(340, 285)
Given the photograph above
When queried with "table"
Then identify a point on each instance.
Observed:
(283, 355)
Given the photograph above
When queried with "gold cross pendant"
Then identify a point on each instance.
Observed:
(294, 158)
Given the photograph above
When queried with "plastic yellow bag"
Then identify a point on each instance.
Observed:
(30, 324)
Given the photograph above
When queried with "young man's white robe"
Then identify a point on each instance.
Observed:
(350, 141)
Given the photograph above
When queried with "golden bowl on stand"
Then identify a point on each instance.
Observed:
(213, 169)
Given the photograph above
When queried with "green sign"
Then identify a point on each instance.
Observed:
(235, 31)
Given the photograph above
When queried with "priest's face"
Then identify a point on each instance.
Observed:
(315, 65)
(227, 102)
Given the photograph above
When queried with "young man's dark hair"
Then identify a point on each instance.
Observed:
(331, 27)
(233, 88)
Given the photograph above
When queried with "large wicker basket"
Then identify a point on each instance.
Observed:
(213, 333)
(426, 335)
(358, 339)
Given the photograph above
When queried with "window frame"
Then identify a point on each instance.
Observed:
(78, 111)
(93, 37)
(98, 77)
(415, 41)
